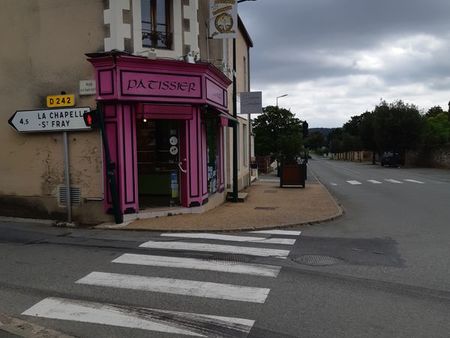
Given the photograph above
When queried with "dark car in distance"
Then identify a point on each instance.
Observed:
(390, 158)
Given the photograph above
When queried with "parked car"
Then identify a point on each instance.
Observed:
(390, 158)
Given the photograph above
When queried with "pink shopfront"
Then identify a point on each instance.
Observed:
(164, 125)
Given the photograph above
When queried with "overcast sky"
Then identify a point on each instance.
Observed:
(338, 58)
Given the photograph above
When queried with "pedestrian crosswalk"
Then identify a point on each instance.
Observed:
(379, 181)
(182, 251)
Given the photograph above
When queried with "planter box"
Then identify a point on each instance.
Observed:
(293, 175)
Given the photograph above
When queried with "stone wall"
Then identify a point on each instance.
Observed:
(439, 158)
(354, 156)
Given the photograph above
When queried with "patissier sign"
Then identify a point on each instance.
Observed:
(160, 85)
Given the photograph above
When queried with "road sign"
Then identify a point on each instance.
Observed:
(60, 100)
(251, 102)
(49, 120)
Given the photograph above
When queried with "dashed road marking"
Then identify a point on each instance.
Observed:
(374, 181)
(354, 182)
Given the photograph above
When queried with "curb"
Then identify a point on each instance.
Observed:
(27, 220)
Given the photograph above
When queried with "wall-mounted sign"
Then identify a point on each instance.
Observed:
(223, 19)
(49, 120)
(60, 100)
(87, 87)
(251, 103)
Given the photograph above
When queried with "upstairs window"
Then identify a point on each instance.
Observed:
(156, 26)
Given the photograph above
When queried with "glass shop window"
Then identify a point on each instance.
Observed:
(156, 25)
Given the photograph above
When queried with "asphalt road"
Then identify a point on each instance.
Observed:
(389, 255)
(381, 270)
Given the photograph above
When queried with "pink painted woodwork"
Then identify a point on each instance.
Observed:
(135, 88)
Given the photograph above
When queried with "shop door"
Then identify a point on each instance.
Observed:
(158, 163)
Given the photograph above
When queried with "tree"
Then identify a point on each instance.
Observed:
(278, 133)
(351, 138)
(434, 111)
(335, 140)
(397, 126)
(436, 131)
(315, 140)
(367, 134)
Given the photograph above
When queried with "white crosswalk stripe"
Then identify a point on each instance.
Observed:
(177, 286)
(414, 181)
(241, 250)
(171, 321)
(278, 232)
(390, 180)
(233, 238)
(136, 318)
(200, 264)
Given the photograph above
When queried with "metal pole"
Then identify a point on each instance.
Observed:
(67, 177)
(249, 123)
(235, 129)
(249, 149)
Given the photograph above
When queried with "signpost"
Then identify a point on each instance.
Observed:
(49, 120)
(53, 120)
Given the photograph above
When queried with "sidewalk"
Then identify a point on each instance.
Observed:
(267, 206)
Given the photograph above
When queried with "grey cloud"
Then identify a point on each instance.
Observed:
(336, 26)
(317, 43)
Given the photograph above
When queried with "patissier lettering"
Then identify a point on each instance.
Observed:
(183, 86)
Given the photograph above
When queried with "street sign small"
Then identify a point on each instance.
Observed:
(49, 120)
(87, 87)
(60, 100)
(251, 102)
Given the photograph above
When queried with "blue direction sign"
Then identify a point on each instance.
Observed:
(49, 120)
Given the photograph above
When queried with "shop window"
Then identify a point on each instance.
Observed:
(156, 24)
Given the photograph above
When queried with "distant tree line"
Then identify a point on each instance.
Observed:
(396, 126)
